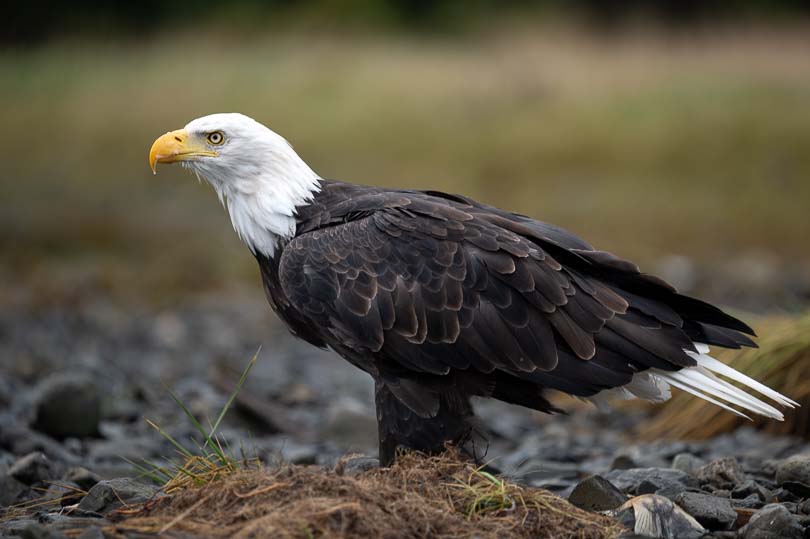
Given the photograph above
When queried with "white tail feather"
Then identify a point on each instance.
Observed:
(703, 381)
(721, 368)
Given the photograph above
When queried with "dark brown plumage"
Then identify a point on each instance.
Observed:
(440, 298)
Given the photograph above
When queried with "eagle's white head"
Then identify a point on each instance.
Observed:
(256, 173)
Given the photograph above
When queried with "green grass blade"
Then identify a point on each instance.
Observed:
(143, 471)
(194, 421)
(235, 392)
(169, 437)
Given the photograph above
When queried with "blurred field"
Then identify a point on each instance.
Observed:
(646, 144)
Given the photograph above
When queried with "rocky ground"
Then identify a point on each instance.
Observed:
(79, 380)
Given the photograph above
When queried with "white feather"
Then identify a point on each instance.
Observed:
(257, 175)
(703, 381)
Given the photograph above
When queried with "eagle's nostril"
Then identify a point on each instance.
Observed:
(178, 139)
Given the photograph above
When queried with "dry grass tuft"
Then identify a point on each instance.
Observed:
(781, 362)
(420, 496)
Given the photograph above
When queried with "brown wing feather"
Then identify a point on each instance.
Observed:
(429, 283)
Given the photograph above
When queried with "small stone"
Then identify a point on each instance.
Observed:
(655, 516)
(772, 522)
(108, 495)
(712, 512)
(649, 479)
(782, 495)
(750, 488)
(67, 405)
(795, 468)
(351, 423)
(10, 490)
(750, 502)
(623, 462)
(83, 477)
(33, 468)
(802, 490)
(93, 532)
(40, 531)
(721, 473)
(356, 465)
(296, 453)
(687, 462)
(596, 493)
(64, 492)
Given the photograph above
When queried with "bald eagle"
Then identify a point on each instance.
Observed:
(441, 298)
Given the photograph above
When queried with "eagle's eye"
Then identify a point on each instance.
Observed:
(216, 138)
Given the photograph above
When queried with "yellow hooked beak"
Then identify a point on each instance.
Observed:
(177, 146)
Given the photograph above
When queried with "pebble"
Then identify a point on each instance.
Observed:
(749, 502)
(750, 488)
(772, 522)
(687, 462)
(11, 490)
(67, 405)
(82, 477)
(723, 473)
(112, 494)
(649, 479)
(33, 468)
(64, 493)
(350, 422)
(40, 531)
(794, 469)
(595, 493)
(712, 512)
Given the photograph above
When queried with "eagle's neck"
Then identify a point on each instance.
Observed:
(262, 202)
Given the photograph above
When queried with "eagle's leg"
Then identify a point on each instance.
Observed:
(399, 425)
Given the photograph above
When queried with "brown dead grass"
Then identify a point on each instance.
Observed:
(418, 497)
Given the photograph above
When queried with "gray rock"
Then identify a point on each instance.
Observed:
(21, 440)
(82, 477)
(108, 495)
(721, 473)
(782, 495)
(10, 490)
(687, 462)
(351, 423)
(299, 453)
(40, 531)
(623, 462)
(595, 493)
(712, 512)
(5, 393)
(795, 468)
(797, 488)
(64, 493)
(750, 488)
(67, 405)
(357, 464)
(93, 532)
(649, 479)
(749, 502)
(772, 522)
(655, 516)
(33, 468)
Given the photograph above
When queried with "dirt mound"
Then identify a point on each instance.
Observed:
(418, 497)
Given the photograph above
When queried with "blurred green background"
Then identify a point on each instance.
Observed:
(673, 133)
